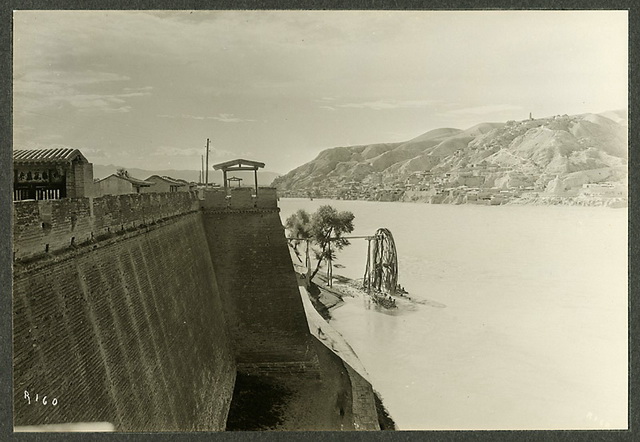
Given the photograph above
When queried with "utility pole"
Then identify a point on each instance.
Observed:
(206, 173)
(201, 168)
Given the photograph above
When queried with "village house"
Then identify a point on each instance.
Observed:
(165, 184)
(605, 189)
(414, 178)
(120, 184)
(51, 174)
(471, 181)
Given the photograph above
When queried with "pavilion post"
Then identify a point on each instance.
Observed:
(255, 178)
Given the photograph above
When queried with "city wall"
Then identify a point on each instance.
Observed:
(124, 324)
(139, 310)
(48, 227)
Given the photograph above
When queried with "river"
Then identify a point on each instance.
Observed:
(522, 322)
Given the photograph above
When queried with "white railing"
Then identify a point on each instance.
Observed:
(41, 194)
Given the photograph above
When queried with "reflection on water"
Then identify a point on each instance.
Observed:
(518, 318)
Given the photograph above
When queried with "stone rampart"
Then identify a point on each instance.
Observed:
(50, 226)
(126, 329)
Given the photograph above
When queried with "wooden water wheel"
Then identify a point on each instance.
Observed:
(381, 273)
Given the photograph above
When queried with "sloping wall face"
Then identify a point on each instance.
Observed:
(128, 329)
(259, 290)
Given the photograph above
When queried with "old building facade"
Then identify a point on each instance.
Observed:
(51, 174)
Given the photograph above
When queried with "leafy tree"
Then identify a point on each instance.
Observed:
(327, 227)
(299, 226)
(324, 228)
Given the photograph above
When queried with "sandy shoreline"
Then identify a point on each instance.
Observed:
(327, 299)
(319, 301)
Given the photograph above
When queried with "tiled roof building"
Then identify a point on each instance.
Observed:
(51, 174)
(120, 184)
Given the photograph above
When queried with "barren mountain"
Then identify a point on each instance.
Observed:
(572, 150)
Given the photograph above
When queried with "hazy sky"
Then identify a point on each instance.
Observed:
(146, 89)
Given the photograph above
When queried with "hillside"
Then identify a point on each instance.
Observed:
(559, 155)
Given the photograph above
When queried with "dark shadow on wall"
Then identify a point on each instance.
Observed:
(294, 401)
(258, 404)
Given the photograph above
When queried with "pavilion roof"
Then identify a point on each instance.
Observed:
(229, 165)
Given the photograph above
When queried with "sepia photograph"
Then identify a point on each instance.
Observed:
(314, 220)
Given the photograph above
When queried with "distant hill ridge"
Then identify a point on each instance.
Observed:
(523, 154)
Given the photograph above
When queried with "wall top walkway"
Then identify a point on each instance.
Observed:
(46, 226)
(42, 227)
(240, 198)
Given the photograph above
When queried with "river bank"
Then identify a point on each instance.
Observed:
(323, 299)
(553, 200)
(536, 199)
(326, 299)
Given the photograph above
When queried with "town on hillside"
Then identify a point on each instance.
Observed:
(460, 186)
(576, 160)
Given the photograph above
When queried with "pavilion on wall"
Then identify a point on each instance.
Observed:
(239, 165)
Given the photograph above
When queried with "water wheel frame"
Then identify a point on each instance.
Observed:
(381, 272)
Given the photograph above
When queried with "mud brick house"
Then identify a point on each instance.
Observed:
(121, 185)
(166, 184)
(42, 174)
